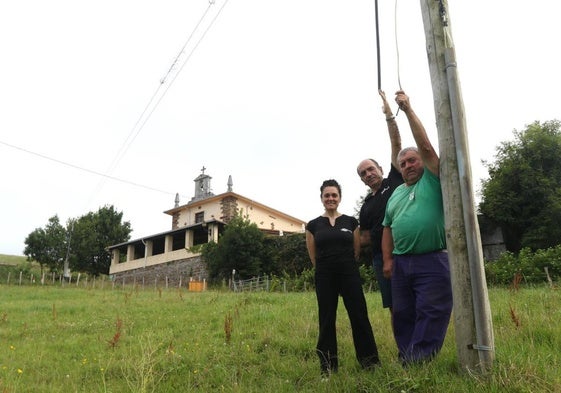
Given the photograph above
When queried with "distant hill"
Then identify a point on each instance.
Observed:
(12, 259)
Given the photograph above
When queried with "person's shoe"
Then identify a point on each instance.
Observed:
(370, 363)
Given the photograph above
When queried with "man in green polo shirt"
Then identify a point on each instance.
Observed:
(414, 249)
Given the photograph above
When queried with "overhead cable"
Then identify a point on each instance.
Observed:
(143, 118)
(86, 169)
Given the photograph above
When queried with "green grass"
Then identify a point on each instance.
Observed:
(75, 339)
(11, 260)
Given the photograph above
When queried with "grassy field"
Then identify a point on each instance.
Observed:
(73, 339)
(11, 260)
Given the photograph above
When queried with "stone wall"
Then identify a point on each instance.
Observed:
(170, 274)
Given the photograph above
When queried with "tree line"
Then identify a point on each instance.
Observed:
(80, 244)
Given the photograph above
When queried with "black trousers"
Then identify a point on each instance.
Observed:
(329, 285)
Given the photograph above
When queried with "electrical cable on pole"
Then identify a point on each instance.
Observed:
(472, 314)
(397, 49)
(378, 46)
(483, 337)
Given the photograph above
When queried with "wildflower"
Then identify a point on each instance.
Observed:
(20, 371)
(12, 348)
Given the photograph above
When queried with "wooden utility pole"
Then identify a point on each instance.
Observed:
(472, 314)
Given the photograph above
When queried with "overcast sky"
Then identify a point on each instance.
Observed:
(278, 94)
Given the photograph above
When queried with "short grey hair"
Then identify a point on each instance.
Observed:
(405, 150)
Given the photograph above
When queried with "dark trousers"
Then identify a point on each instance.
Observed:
(385, 284)
(329, 285)
(422, 304)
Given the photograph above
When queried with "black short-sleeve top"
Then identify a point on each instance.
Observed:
(334, 244)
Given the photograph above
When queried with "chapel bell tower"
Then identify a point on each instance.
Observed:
(202, 186)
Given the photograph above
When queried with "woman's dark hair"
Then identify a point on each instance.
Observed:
(330, 183)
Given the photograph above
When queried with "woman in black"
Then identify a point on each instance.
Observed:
(333, 242)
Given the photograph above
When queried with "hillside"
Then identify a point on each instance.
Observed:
(12, 259)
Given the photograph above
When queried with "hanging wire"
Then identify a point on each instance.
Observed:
(378, 46)
(397, 51)
(397, 47)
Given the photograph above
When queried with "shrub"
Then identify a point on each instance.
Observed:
(530, 265)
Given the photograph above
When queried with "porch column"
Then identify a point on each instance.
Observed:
(115, 255)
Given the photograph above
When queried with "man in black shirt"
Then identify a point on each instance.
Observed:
(374, 206)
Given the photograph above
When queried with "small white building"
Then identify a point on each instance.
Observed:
(173, 254)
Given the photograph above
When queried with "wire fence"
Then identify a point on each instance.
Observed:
(82, 280)
(264, 283)
(24, 278)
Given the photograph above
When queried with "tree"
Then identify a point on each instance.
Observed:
(286, 255)
(47, 246)
(523, 191)
(240, 248)
(91, 235)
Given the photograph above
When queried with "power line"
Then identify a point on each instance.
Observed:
(147, 113)
(139, 124)
(152, 105)
(85, 169)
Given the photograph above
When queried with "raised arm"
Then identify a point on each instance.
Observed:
(393, 130)
(426, 150)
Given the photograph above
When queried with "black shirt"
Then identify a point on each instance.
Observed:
(374, 207)
(334, 244)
